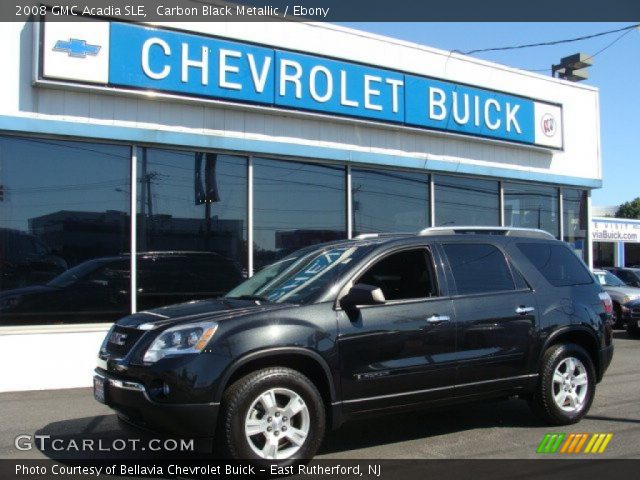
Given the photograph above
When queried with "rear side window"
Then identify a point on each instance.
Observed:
(478, 268)
(559, 265)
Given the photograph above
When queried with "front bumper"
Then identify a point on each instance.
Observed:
(132, 401)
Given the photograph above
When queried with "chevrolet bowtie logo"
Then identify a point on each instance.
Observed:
(76, 48)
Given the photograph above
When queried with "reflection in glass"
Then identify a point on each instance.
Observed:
(386, 201)
(575, 219)
(295, 205)
(603, 254)
(191, 206)
(466, 201)
(300, 277)
(63, 204)
(531, 206)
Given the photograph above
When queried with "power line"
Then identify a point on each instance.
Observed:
(611, 44)
(554, 42)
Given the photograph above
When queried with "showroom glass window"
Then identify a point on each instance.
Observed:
(387, 201)
(64, 231)
(192, 225)
(575, 219)
(295, 205)
(466, 201)
(531, 206)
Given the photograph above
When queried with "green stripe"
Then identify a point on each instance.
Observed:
(550, 443)
(543, 443)
(555, 448)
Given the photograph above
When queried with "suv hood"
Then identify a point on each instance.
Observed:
(219, 309)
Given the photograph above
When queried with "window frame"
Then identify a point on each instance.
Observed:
(510, 268)
(362, 269)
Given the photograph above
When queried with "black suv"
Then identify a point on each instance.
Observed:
(365, 326)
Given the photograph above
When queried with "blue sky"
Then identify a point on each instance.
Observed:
(616, 72)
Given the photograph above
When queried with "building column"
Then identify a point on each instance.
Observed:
(618, 254)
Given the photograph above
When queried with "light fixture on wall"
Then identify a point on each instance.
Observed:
(573, 68)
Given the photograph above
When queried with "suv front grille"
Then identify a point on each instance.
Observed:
(635, 313)
(121, 340)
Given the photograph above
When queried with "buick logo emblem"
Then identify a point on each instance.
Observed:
(118, 338)
(549, 125)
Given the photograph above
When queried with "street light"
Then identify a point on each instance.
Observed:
(573, 67)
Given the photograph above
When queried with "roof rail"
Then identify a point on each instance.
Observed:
(505, 231)
(364, 236)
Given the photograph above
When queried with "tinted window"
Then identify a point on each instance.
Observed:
(531, 206)
(575, 219)
(192, 204)
(65, 204)
(389, 201)
(478, 268)
(295, 205)
(466, 201)
(403, 275)
(559, 265)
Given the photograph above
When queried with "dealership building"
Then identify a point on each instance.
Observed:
(213, 149)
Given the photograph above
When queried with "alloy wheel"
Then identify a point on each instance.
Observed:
(277, 424)
(570, 385)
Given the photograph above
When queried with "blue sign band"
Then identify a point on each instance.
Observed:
(182, 63)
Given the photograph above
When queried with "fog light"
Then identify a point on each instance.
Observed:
(165, 389)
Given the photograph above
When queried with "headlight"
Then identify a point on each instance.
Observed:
(626, 299)
(190, 338)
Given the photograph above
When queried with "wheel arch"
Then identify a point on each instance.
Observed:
(579, 335)
(306, 361)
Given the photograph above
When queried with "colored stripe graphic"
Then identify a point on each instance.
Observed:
(573, 443)
(598, 442)
(550, 443)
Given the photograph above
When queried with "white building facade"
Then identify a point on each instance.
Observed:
(145, 164)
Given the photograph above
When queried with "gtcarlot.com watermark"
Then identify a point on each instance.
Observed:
(49, 443)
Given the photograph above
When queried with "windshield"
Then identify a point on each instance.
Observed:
(300, 277)
(608, 279)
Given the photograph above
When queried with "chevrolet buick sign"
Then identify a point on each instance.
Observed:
(141, 58)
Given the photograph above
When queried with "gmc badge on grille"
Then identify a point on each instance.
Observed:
(118, 338)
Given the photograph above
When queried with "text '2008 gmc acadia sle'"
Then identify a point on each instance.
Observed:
(359, 327)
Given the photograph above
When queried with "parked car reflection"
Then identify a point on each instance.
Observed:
(25, 260)
(98, 290)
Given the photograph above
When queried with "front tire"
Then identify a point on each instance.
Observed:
(272, 415)
(566, 385)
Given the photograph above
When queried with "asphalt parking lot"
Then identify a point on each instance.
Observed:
(503, 429)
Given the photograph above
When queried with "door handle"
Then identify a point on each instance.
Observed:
(438, 318)
(522, 309)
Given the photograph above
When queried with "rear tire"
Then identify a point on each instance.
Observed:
(273, 415)
(566, 386)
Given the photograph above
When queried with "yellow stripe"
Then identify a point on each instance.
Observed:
(591, 442)
(567, 442)
(606, 442)
(596, 445)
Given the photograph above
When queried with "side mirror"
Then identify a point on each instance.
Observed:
(362, 294)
